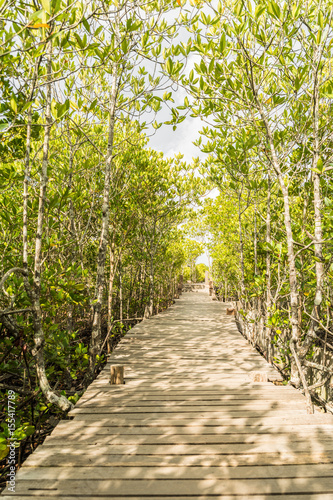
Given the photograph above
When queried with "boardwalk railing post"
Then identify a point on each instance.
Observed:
(180, 285)
(259, 376)
(117, 375)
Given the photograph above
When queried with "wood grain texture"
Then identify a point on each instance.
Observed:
(197, 418)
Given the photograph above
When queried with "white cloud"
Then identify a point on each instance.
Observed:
(179, 141)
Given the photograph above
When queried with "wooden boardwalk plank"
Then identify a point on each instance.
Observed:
(189, 449)
(198, 496)
(194, 439)
(195, 472)
(89, 459)
(200, 419)
(73, 430)
(175, 487)
(189, 423)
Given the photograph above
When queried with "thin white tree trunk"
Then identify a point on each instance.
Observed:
(268, 272)
(241, 246)
(255, 249)
(95, 344)
(39, 336)
(120, 290)
(290, 242)
(317, 201)
(150, 309)
(112, 272)
(297, 374)
(26, 192)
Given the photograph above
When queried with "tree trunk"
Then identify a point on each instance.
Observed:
(255, 243)
(120, 291)
(149, 310)
(317, 201)
(241, 246)
(268, 273)
(293, 283)
(95, 344)
(39, 336)
(27, 169)
(112, 272)
(26, 193)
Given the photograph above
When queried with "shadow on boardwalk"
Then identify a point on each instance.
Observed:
(189, 423)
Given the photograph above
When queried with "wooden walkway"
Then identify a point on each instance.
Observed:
(188, 424)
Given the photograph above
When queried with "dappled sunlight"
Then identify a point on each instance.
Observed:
(188, 421)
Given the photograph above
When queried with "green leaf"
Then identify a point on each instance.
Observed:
(13, 104)
(93, 105)
(29, 430)
(54, 109)
(223, 43)
(97, 32)
(259, 10)
(62, 109)
(297, 83)
(157, 125)
(56, 6)
(86, 24)
(296, 9)
(26, 106)
(202, 83)
(79, 41)
(145, 39)
(46, 5)
(65, 39)
(4, 452)
(320, 169)
(124, 46)
(238, 8)
(5, 216)
(3, 127)
(169, 66)
(36, 16)
(274, 9)
(203, 67)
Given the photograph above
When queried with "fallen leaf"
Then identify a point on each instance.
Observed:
(39, 25)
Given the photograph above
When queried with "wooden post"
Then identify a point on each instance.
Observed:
(207, 278)
(180, 285)
(258, 376)
(117, 375)
(231, 311)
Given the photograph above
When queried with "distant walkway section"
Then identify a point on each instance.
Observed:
(199, 417)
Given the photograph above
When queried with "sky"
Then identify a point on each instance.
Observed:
(178, 141)
(181, 140)
(165, 139)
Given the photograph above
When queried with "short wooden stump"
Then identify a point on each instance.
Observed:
(117, 375)
(258, 376)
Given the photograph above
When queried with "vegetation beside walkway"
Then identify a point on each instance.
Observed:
(90, 216)
(263, 84)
